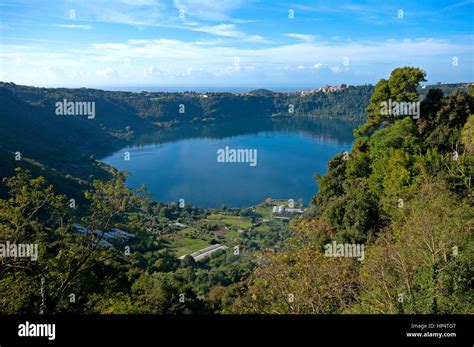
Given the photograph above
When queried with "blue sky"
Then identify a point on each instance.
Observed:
(232, 43)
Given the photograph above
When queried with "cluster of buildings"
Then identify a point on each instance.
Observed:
(326, 89)
(282, 209)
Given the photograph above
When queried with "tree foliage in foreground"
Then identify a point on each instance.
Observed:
(405, 193)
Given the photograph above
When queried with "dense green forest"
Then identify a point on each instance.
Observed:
(404, 192)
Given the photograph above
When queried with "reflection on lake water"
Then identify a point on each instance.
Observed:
(183, 163)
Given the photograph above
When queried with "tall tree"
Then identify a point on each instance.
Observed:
(401, 86)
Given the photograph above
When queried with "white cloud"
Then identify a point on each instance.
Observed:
(129, 12)
(207, 16)
(187, 62)
(209, 9)
(151, 71)
(53, 72)
(226, 30)
(106, 73)
(75, 26)
(220, 30)
(302, 37)
(338, 69)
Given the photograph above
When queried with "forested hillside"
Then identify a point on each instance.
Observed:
(404, 192)
(403, 196)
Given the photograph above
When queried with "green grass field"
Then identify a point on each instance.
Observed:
(188, 245)
(231, 235)
(238, 221)
(185, 231)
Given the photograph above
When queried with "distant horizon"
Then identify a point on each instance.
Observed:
(207, 88)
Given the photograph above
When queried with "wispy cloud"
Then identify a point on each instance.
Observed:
(74, 26)
(126, 12)
(169, 61)
(302, 37)
(459, 4)
(375, 13)
(226, 30)
(206, 16)
(217, 10)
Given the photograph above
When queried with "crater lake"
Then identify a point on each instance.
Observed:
(182, 163)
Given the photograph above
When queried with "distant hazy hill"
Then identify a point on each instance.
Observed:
(447, 88)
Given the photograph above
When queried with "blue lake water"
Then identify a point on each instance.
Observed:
(183, 164)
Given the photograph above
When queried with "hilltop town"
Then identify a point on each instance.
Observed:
(326, 89)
